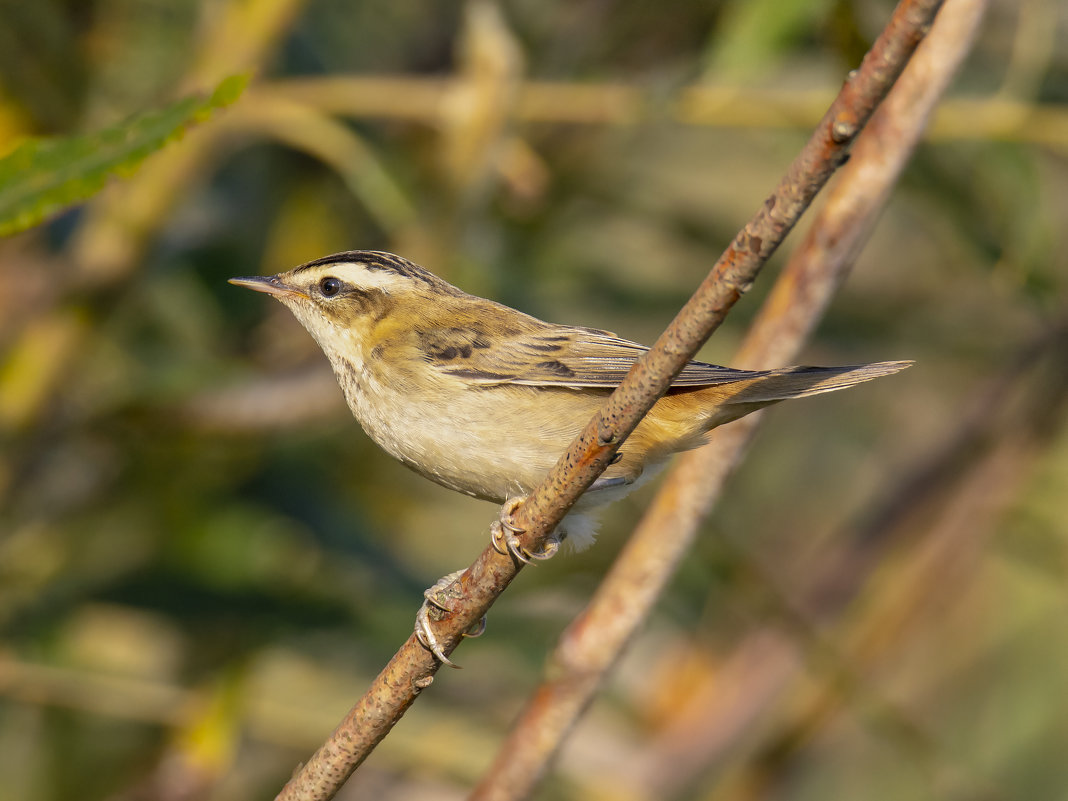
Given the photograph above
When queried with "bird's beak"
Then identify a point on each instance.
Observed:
(272, 285)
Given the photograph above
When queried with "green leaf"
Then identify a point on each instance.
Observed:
(43, 176)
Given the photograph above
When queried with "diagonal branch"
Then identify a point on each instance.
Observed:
(594, 640)
(412, 668)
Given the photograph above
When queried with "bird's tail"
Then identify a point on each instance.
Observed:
(682, 419)
(755, 390)
(800, 382)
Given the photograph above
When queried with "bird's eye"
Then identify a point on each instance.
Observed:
(330, 287)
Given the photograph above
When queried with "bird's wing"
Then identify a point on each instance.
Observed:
(554, 356)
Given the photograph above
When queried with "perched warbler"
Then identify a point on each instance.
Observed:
(484, 399)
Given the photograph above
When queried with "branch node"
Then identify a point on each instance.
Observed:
(843, 130)
(606, 434)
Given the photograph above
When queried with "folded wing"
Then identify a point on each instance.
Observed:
(561, 356)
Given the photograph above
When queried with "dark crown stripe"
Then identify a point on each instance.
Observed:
(374, 260)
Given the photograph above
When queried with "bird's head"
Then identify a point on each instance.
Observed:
(342, 299)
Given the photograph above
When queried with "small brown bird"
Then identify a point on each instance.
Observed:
(484, 399)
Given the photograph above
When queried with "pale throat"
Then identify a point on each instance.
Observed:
(342, 347)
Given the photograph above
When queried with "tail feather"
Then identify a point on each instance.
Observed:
(682, 419)
(800, 382)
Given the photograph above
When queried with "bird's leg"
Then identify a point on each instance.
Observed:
(436, 597)
(504, 534)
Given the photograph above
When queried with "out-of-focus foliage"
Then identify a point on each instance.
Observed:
(203, 559)
(43, 176)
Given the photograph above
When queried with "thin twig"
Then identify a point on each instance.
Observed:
(412, 668)
(593, 642)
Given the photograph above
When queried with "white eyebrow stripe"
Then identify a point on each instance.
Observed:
(361, 277)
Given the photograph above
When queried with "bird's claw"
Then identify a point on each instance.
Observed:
(504, 535)
(424, 630)
(505, 538)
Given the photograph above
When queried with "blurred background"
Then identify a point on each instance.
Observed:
(203, 559)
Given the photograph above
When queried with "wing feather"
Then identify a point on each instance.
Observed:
(556, 356)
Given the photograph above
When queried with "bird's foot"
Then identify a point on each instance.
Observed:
(504, 534)
(437, 598)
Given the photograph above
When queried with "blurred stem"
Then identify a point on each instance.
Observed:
(240, 36)
(1033, 49)
(594, 641)
(997, 118)
(36, 364)
(477, 109)
(311, 131)
(118, 697)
